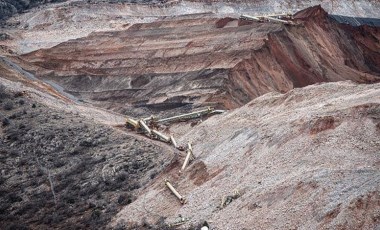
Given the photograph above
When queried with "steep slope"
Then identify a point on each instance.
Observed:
(8, 8)
(307, 159)
(304, 154)
(61, 169)
(181, 63)
(318, 51)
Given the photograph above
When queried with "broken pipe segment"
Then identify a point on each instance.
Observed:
(170, 186)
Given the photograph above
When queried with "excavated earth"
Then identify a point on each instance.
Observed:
(181, 63)
(298, 148)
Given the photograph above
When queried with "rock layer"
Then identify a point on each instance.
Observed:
(181, 63)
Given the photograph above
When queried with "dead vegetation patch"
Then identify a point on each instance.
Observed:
(59, 170)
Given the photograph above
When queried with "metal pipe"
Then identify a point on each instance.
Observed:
(275, 15)
(250, 17)
(218, 111)
(277, 20)
(170, 186)
(133, 123)
(161, 136)
(190, 149)
(187, 115)
(187, 159)
(144, 126)
(173, 141)
(151, 118)
(184, 116)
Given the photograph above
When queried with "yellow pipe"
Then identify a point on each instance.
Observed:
(144, 126)
(187, 159)
(161, 136)
(173, 141)
(133, 123)
(170, 186)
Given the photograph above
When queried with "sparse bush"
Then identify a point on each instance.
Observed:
(4, 36)
(2, 180)
(125, 199)
(8, 105)
(17, 226)
(16, 115)
(87, 143)
(70, 198)
(13, 135)
(88, 190)
(19, 94)
(113, 185)
(153, 174)
(21, 102)
(120, 226)
(121, 177)
(3, 93)
(13, 198)
(5, 121)
(59, 163)
(134, 185)
(96, 213)
(23, 162)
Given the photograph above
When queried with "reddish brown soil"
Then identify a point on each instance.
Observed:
(180, 63)
(317, 50)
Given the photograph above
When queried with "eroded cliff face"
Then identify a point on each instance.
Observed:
(180, 63)
(317, 50)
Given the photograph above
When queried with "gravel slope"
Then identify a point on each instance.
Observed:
(307, 159)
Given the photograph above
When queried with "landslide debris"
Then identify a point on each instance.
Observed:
(305, 159)
(61, 170)
(177, 64)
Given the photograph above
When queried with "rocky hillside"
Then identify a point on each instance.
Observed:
(10, 7)
(61, 169)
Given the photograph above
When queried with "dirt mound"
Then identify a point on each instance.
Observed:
(307, 159)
